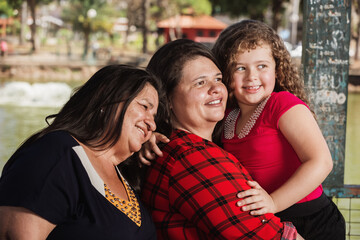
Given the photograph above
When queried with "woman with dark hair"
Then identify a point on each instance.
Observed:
(65, 182)
(190, 189)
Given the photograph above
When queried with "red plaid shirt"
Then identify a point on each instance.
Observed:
(191, 192)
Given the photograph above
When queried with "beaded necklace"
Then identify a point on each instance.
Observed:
(230, 121)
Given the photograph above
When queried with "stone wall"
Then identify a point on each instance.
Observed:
(46, 73)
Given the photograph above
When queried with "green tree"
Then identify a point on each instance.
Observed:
(32, 5)
(89, 16)
(254, 9)
(5, 9)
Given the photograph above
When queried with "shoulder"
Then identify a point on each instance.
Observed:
(44, 171)
(284, 96)
(283, 101)
(184, 143)
(62, 138)
(45, 152)
(279, 103)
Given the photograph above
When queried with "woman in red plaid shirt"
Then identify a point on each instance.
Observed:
(190, 188)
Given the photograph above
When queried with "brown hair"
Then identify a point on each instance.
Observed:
(247, 35)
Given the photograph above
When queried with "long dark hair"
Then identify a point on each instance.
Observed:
(91, 114)
(167, 64)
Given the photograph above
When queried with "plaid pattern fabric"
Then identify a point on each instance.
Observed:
(191, 192)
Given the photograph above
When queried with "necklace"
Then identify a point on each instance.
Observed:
(230, 121)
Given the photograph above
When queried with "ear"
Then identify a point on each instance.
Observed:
(170, 103)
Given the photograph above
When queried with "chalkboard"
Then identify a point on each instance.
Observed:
(325, 60)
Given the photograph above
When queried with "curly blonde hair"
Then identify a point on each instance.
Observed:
(247, 35)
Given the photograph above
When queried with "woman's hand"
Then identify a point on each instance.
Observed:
(150, 149)
(256, 200)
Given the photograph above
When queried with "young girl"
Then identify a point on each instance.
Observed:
(270, 129)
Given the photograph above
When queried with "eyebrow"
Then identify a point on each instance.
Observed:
(259, 61)
(202, 76)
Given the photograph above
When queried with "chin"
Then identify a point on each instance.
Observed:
(218, 117)
(135, 149)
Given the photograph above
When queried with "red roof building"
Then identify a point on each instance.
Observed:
(4, 22)
(205, 29)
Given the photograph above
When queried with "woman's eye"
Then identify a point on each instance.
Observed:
(218, 79)
(262, 66)
(199, 83)
(145, 107)
(240, 68)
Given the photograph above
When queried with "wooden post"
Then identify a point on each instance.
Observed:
(325, 59)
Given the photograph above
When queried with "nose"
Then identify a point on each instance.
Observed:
(252, 74)
(215, 87)
(150, 122)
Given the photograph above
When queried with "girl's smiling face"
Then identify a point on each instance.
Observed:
(254, 78)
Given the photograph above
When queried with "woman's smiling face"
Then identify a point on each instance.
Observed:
(139, 121)
(199, 100)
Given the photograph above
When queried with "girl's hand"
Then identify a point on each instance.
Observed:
(299, 237)
(256, 200)
(150, 149)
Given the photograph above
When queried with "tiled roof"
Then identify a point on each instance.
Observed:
(202, 22)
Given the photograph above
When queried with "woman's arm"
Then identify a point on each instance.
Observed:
(19, 223)
(302, 132)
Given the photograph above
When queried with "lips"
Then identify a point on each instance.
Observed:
(141, 130)
(252, 87)
(214, 102)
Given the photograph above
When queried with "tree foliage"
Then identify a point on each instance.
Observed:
(169, 8)
(254, 9)
(78, 15)
(6, 9)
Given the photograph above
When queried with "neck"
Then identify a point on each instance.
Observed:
(108, 156)
(246, 112)
(249, 109)
(204, 131)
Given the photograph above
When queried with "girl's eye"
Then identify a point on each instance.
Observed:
(218, 79)
(241, 68)
(262, 66)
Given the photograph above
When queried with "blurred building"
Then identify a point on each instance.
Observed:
(4, 22)
(204, 29)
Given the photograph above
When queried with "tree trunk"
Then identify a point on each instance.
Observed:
(276, 9)
(32, 6)
(356, 55)
(145, 8)
(86, 42)
(357, 39)
(23, 22)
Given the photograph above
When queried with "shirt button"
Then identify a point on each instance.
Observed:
(264, 221)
